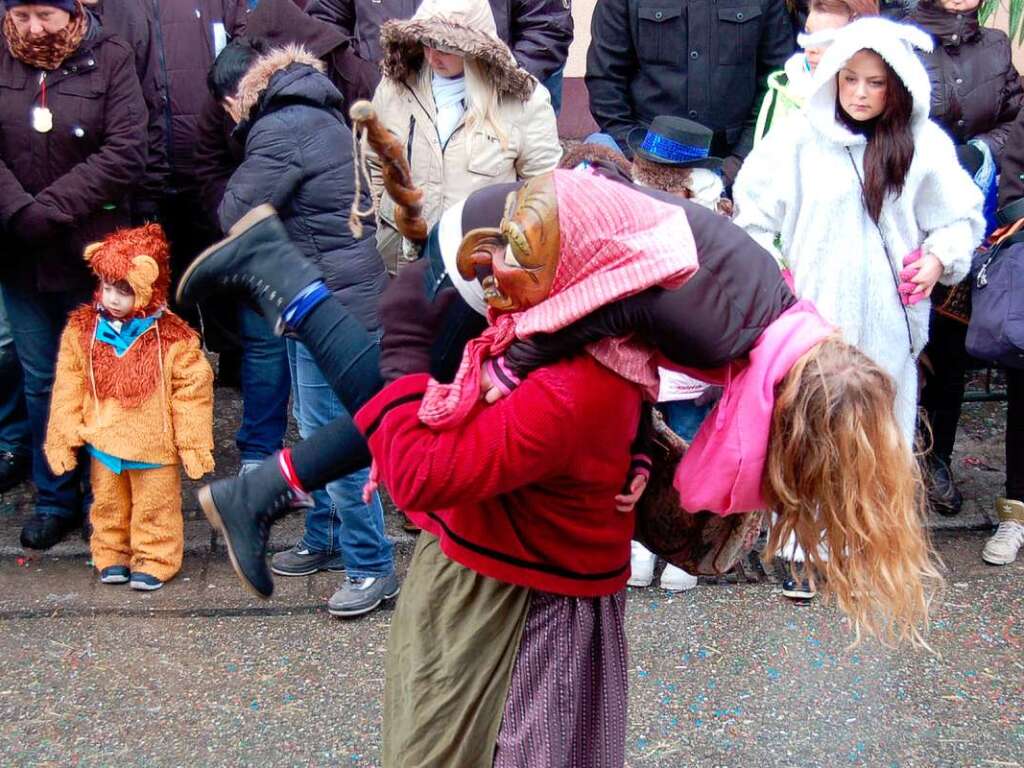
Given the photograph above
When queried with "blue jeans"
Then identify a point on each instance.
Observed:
(15, 432)
(266, 384)
(339, 521)
(553, 83)
(37, 320)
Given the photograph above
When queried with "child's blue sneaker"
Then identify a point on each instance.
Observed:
(145, 582)
(115, 574)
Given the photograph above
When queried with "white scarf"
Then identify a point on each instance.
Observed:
(450, 100)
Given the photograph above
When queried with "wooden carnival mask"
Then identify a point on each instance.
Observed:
(516, 262)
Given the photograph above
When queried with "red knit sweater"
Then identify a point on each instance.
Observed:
(524, 490)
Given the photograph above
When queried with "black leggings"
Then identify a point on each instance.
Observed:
(1015, 434)
(348, 357)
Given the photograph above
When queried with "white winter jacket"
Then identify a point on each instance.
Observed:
(469, 160)
(801, 185)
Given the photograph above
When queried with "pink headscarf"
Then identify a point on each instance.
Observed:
(614, 242)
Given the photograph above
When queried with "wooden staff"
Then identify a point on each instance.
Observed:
(395, 169)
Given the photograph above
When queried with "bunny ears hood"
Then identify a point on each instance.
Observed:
(138, 256)
(896, 44)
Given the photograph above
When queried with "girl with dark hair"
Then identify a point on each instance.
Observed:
(868, 200)
(863, 201)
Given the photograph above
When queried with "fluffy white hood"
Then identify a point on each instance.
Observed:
(895, 43)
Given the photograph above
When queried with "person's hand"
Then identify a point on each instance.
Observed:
(410, 321)
(919, 277)
(61, 458)
(627, 500)
(496, 380)
(38, 223)
(197, 462)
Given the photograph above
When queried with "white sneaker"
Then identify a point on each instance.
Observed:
(1006, 542)
(641, 565)
(676, 579)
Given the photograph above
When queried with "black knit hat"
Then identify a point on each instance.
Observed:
(65, 5)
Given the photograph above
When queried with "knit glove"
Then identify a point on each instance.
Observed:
(196, 461)
(62, 458)
(38, 223)
(410, 321)
(909, 294)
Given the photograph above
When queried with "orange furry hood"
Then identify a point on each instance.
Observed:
(139, 257)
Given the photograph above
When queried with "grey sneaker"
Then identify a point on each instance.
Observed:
(302, 561)
(359, 596)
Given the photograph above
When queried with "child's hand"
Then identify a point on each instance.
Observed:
(625, 502)
(61, 458)
(197, 462)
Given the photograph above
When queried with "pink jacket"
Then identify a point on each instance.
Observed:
(723, 471)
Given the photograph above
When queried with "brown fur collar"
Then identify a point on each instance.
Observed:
(130, 380)
(403, 41)
(257, 78)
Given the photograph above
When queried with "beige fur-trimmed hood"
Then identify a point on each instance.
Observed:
(465, 27)
(256, 80)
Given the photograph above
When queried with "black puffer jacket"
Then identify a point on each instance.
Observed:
(976, 91)
(298, 158)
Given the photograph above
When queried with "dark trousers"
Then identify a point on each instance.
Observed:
(37, 321)
(1015, 434)
(943, 390)
(15, 432)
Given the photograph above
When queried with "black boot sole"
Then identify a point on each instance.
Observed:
(209, 507)
(243, 225)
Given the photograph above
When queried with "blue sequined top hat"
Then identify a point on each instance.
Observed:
(677, 141)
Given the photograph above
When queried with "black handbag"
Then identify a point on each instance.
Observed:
(996, 331)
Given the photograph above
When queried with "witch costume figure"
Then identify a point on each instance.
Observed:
(503, 501)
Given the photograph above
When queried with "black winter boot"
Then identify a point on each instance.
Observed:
(943, 495)
(243, 508)
(256, 257)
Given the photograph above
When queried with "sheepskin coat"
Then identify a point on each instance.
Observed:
(802, 184)
(473, 156)
(298, 157)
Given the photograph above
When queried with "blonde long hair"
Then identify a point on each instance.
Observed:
(841, 474)
(482, 108)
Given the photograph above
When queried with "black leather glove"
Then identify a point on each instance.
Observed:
(36, 223)
(971, 158)
(410, 322)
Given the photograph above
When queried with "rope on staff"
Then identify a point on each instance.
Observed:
(357, 214)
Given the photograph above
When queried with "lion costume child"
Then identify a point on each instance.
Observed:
(137, 392)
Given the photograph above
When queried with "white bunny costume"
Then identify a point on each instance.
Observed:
(800, 184)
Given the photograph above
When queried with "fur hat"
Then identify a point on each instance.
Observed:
(463, 27)
(139, 257)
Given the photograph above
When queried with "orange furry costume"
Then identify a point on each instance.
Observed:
(149, 401)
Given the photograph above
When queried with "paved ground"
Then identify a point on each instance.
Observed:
(201, 674)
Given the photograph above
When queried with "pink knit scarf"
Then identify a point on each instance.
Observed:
(614, 242)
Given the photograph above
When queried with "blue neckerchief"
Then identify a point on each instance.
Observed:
(130, 332)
